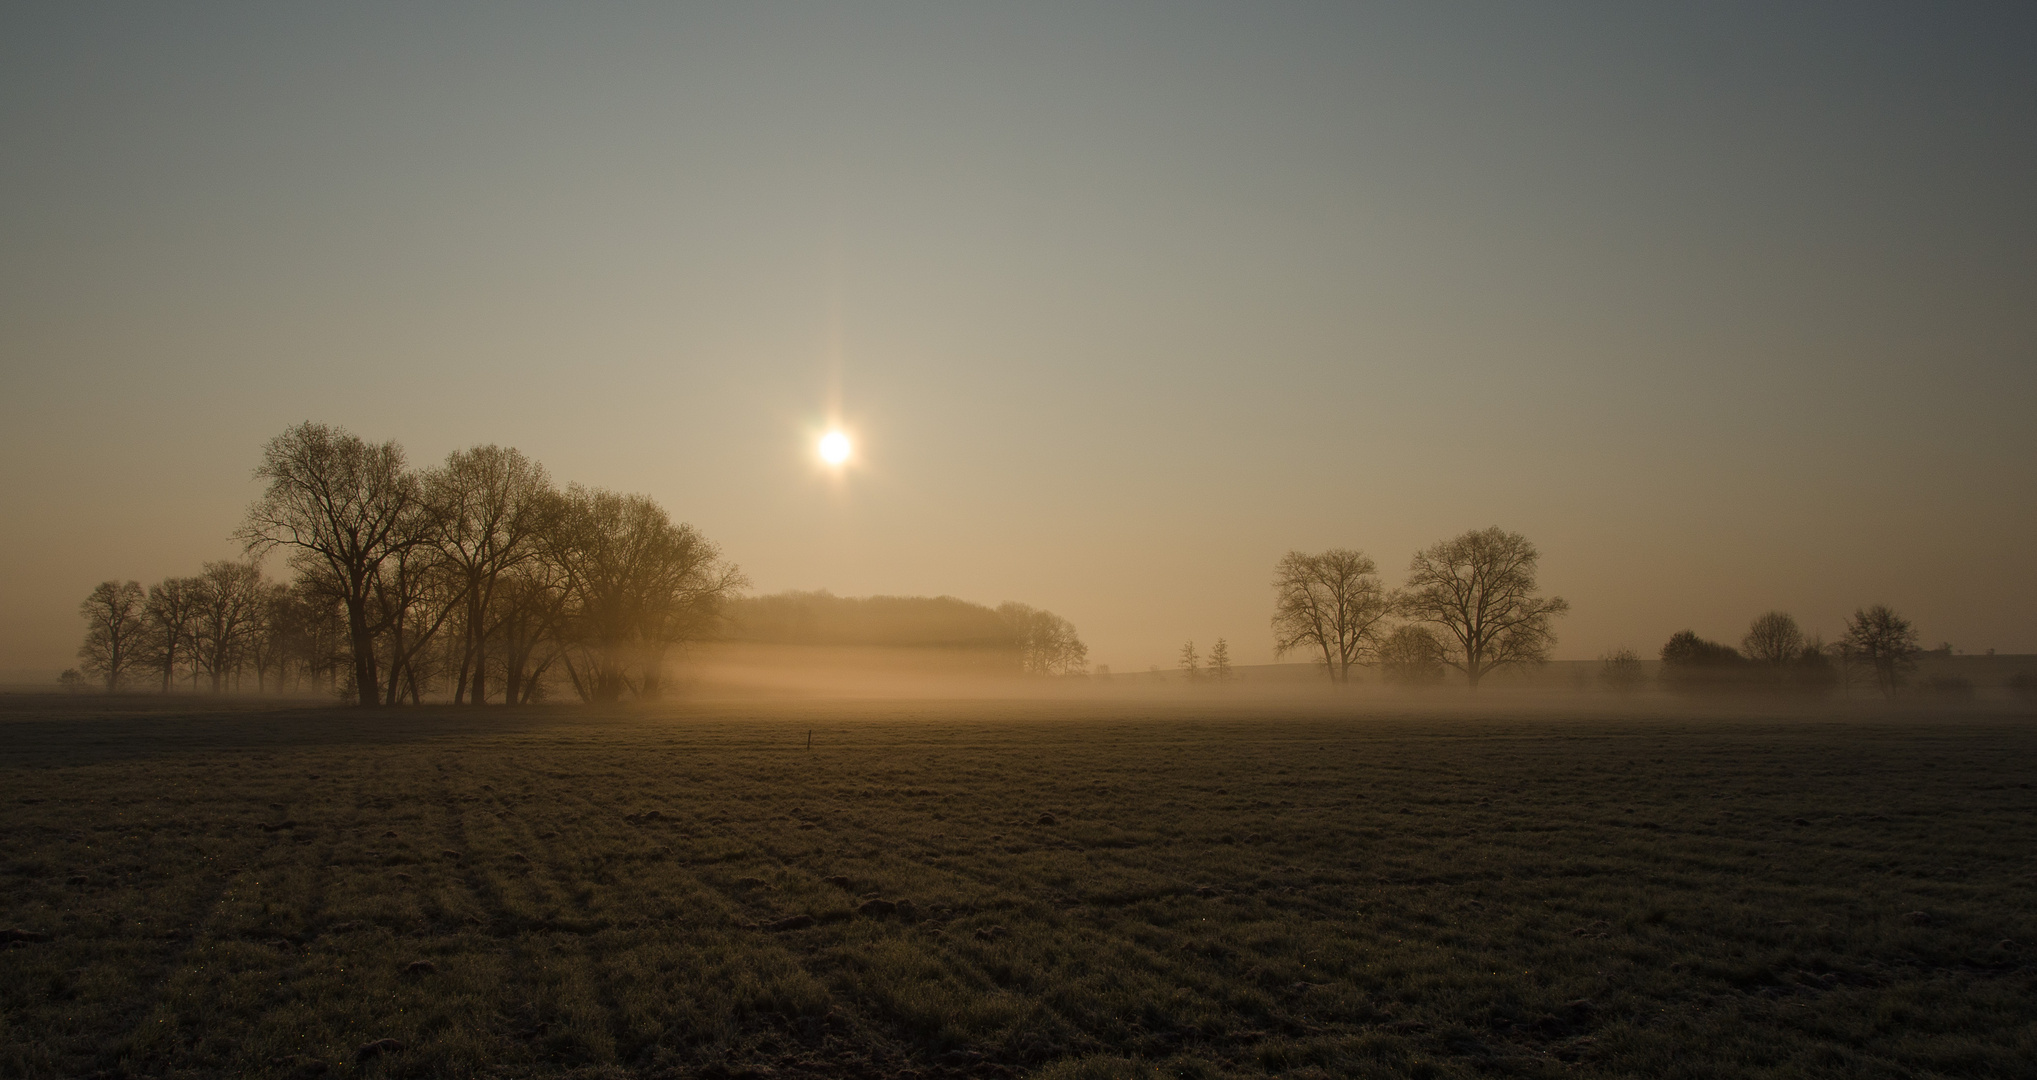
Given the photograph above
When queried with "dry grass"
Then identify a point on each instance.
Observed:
(1060, 890)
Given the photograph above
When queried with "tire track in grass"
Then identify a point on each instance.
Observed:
(724, 907)
(572, 897)
(196, 932)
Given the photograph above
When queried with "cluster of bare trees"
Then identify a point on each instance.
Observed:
(478, 579)
(1047, 643)
(1469, 603)
(223, 629)
(1879, 646)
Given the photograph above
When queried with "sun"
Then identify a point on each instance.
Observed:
(834, 448)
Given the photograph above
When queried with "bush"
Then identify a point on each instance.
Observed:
(1621, 670)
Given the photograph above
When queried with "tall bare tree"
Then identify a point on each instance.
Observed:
(1774, 638)
(1884, 642)
(115, 624)
(170, 612)
(1330, 604)
(492, 506)
(340, 504)
(1479, 588)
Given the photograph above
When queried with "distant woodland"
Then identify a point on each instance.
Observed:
(477, 581)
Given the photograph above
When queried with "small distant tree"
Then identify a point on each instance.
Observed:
(1330, 604)
(1774, 639)
(1412, 656)
(1220, 661)
(1190, 663)
(1883, 642)
(74, 681)
(1480, 589)
(1620, 669)
(114, 629)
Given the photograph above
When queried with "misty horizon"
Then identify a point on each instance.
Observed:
(1725, 310)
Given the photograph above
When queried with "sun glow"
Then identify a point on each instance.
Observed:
(834, 448)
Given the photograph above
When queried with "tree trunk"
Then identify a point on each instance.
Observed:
(364, 652)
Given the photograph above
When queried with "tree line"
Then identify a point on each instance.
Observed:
(1878, 645)
(1025, 639)
(478, 577)
(1470, 603)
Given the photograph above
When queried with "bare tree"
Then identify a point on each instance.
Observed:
(636, 584)
(1774, 638)
(1884, 642)
(226, 614)
(1412, 656)
(533, 599)
(1220, 661)
(492, 506)
(416, 590)
(1190, 662)
(1331, 604)
(1480, 589)
(269, 645)
(1047, 643)
(171, 609)
(115, 625)
(340, 504)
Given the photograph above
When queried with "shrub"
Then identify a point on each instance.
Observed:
(1621, 670)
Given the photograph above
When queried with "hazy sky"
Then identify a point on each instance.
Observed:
(1728, 309)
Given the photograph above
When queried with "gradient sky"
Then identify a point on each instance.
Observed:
(1728, 309)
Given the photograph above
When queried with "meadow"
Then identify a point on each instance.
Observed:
(997, 889)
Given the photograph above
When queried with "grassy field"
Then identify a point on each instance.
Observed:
(981, 889)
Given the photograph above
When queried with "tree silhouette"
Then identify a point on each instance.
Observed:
(341, 505)
(172, 606)
(1774, 638)
(1480, 589)
(1883, 641)
(115, 627)
(1220, 661)
(1047, 643)
(1330, 604)
(491, 506)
